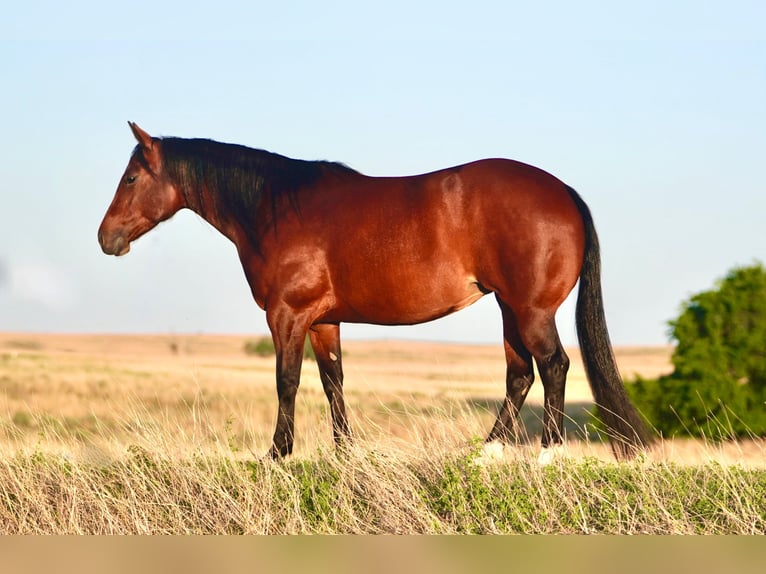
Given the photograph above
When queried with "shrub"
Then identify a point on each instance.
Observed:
(718, 386)
(264, 347)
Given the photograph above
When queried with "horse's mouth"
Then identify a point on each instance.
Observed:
(123, 250)
(117, 246)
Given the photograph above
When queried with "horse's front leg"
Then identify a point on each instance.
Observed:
(289, 334)
(325, 340)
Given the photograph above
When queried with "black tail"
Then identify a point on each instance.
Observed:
(627, 432)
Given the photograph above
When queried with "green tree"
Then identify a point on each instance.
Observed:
(718, 385)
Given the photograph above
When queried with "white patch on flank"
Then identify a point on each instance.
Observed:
(452, 197)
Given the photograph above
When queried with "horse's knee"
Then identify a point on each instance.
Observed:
(520, 385)
(554, 368)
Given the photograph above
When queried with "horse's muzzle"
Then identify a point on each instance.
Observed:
(114, 245)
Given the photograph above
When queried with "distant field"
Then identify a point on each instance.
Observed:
(86, 385)
(106, 430)
(88, 392)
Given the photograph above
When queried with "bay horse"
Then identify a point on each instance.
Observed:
(321, 244)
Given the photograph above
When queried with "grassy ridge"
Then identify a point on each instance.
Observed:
(369, 491)
(134, 434)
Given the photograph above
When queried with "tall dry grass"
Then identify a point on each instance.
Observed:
(165, 435)
(442, 485)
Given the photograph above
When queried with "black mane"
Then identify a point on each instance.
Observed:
(237, 174)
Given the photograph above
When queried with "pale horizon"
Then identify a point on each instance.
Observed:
(654, 113)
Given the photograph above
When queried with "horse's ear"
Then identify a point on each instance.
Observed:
(141, 136)
(151, 153)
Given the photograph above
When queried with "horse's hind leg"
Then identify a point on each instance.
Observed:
(325, 340)
(519, 377)
(540, 336)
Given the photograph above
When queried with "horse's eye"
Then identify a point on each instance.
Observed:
(130, 179)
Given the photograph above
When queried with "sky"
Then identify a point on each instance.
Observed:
(653, 111)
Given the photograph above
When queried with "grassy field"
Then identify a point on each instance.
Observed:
(165, 434)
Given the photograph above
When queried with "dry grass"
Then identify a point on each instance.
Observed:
(139, 434)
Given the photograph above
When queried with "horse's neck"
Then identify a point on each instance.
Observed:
(212, 210)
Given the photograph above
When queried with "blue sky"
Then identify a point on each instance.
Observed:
(654, 112)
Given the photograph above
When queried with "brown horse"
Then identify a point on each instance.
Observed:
(321, 244)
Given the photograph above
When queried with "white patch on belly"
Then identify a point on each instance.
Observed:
(473, 294)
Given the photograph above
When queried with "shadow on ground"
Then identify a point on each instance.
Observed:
(578, 419)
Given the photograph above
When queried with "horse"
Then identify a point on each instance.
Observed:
(322, 244)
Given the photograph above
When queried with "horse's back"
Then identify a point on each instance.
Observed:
(410, 249)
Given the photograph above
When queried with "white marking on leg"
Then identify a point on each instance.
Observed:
(549, 454)
(333, 356)
(491, 453)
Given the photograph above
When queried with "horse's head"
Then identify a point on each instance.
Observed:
(144, 197)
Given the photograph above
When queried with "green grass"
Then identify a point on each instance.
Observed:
(369, 491)
(129, 438)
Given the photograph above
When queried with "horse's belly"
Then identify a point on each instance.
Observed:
(408, 302)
